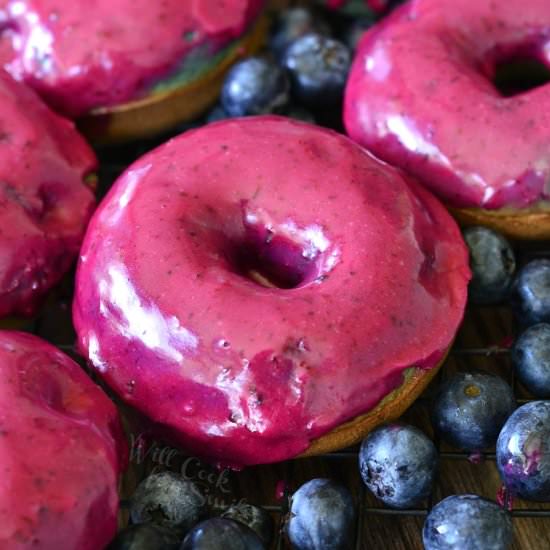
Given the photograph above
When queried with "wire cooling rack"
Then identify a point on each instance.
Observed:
(483, 343)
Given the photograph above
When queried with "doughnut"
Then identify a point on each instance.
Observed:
(44, 202)
(130, 68)
(422, 96)
(254, 285)
(62, 450)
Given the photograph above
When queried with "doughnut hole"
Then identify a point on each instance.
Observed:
(9, 26)
(519, 69)
(280, 255)
(40, 386)
(41, 205)
(50, 388)
(274, 261)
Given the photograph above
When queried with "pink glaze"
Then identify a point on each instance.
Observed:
(61, 451)
(81, 54)
(231, 369)
(44, 204)
(420, 96)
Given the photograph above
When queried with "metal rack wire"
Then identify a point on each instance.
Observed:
(54, 325)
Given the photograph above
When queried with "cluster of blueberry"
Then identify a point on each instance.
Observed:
(528, 291)
(169, 512)
(398, 464)
(301, 76)
(474, 411)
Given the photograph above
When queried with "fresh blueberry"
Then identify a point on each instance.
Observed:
(254, 86)
(531, 358)
(254, 517)
(470, 409)
(523, 452)
(467, 522)
(398, 463)
(531, 298)
(321, 516)
(168, 499)
(293, 23)
(355, 29)
(221, 534)
(145, 536)
(493, 265)
(318, 68)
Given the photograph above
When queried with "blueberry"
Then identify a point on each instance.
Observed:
(254, 86)
(398, 464)
(467, 522)
(531, 298)
(291, 24)
(254, 517)
(221, 534)
(321, 516)
(145, 536)
(523, 452)
(470, 409)
(493, 265)
(531, 358)
(318, 68)
(168, 499)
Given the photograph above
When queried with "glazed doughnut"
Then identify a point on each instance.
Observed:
(255, 284)
(61, 454)
(136, 67)
(44, 202)
(421, 96)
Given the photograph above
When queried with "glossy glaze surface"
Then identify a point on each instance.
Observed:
(44, 204)
(421, 97)
(60, 451)
(167, 311)
(81, 54)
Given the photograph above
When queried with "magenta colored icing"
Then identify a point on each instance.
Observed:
(420, 96)
(233, 370)
(44, 204)
(82, 54)
(61, 450)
